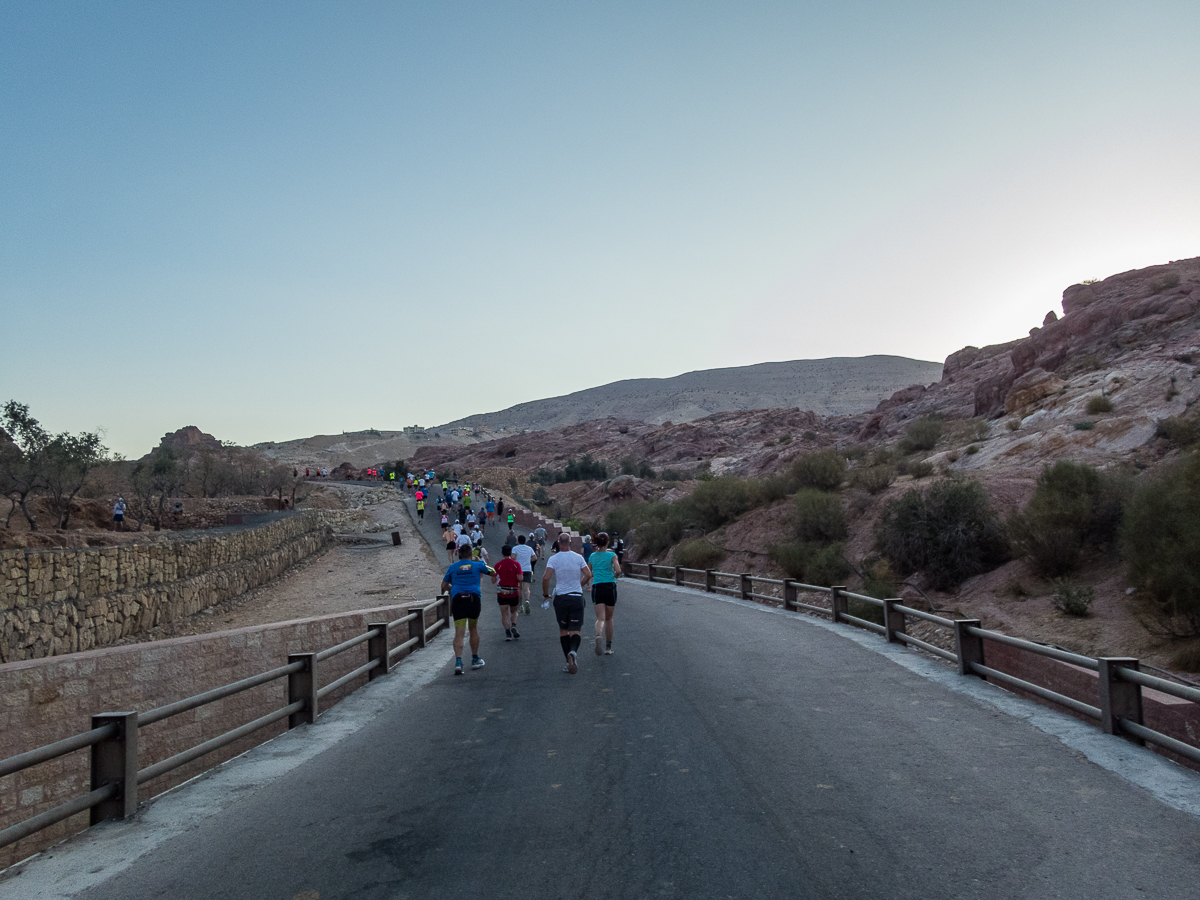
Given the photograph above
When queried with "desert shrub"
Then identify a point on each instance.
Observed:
(882, 456)
(864, 610)
(1099, 404)
(1072, 598)
(1160, 538)
(1013, 424)
(873, 479)
(1073, 505)
(818, 516)
(673, 475)
(919, 469)
(922, 434)
(631, 466)
(698, 554)
(583, 469)
(721, 499)
(1085, 425)
(1181, 430)
(969, 431)
(1164, 281)
(823, 469)
(972, 450)
(879, 580)
(822, 565)
(785, 438)
(1187, 659)
(540, 495)
(854, 452)
(809, 435)
(949, 532)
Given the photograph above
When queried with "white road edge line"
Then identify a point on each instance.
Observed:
(1168, 782)
(92, 857)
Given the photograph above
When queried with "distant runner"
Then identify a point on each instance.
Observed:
(421, 510)
(605, 569)
(462, 580)
(508, 592)
(451, 538)
(571, 576)
(524, 554)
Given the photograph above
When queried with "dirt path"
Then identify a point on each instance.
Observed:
(361, 570)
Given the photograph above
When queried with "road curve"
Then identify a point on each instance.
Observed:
(719, 753)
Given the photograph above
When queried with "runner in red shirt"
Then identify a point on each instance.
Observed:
(508, 591)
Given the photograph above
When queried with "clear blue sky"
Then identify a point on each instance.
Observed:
(274, 220)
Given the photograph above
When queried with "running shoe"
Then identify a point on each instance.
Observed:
(608, 650)
(458, 667)
(526, 609)
(508, 634)
(516, 634)
(476, 662)
(599, 642)
(572, 664)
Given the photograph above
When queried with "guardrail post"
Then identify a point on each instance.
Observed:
(445, 598)
(790, 594)
(115, 761)
(747, 586)
(649, 571)
(838, 603)
(1119, 699)
(416, 628)
(377, 648)
(710, 580)
(678, 576)
(969, 647)
(893, 619)
(302, 685)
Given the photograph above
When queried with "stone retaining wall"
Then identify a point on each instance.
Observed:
(45, 700)
(55, 601)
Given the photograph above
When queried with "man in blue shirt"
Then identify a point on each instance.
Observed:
(466, 601)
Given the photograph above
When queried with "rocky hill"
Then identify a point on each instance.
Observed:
(835, 386)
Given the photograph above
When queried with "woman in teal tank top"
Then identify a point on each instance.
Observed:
(606, 568)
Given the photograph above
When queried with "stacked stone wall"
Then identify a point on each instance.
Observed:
(45, 700)
(55, 601)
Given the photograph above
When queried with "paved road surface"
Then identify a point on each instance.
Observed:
(721, 753)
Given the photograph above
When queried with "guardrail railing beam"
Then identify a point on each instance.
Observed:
(894, 622)
(838, 602)
(1119, 699)
(968, 647)
(302, 686)
(377, 649)
(115, 762)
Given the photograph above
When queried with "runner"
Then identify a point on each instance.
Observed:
(464, 540)
(587, 547)
(490, 509)
(605, 569)
(523, 553)
(617, 546)
(539, 539)
(571, 576)
(512, 520)
(445, 521)
(471, 519)
(462, 578)
(421, 510)
(511, 537)
(508, 591)
(478, 551)
(500, 509)
(451, 539)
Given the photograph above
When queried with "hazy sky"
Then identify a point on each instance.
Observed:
(274, 220)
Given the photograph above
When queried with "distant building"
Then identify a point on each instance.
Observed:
(414, 429)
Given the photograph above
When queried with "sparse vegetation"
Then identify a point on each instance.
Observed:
(950, 532)
(630, 466)
(1071, 598)
(1184, 431)
(824, 470)
(1099, 404)
(972, 450)
(922, 434)
(1013, 424)
(818, 516)
(698, 554)
(919, 469)
(583, 469)
(822, 565)
(1085, 425)
(1073, 506)
(1160, 538)
(873, 479)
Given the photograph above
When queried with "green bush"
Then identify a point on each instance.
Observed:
(1084, 426)
(1181, 430)
(818, 516)
(698, 554)
(721, 499)
(879, 580)
(1074, 505)
(1160, 537)
(1071, 598)
(920, 469)
(812, 563)
(864, 610)
(824, 470)
(949, 532)
(1013, 424)
(873, 479)
(922, 434)
(1099, 404)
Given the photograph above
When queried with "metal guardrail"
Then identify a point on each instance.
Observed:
(113, 738)
(1120, 682)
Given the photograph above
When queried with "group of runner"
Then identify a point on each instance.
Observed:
(569, 572)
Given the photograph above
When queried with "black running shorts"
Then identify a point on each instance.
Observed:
(605, 593)
(568, 609)
(465, 606)
(513, 599)
(527, 577)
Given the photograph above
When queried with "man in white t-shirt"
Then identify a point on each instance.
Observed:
(524, 554)
(464, 540)
(571, 576)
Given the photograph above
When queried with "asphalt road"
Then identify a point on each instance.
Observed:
(720, 753)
